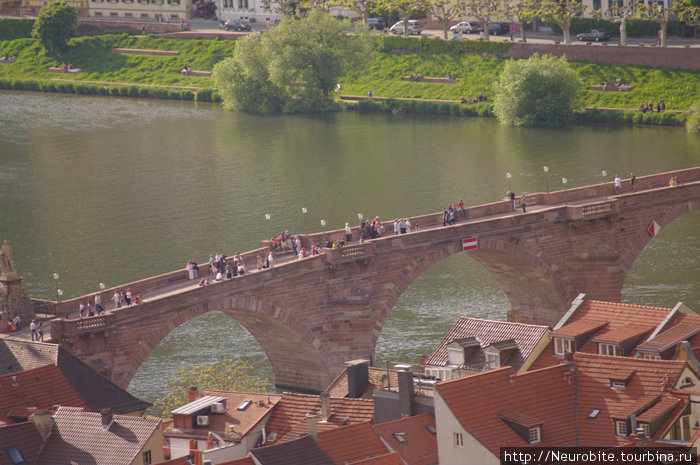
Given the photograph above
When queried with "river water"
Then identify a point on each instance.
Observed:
(114, 190)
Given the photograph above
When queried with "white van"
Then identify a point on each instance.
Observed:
(414, 27)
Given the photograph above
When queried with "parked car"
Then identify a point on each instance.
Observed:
(235, 25)
(466, 28)
(594, 35)
(497, 29)
(376, 23)
(414, 27)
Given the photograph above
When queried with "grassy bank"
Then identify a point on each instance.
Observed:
(472, 62)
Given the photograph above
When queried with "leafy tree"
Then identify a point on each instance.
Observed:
(294, 66)
(284, 7)
(244, 80)
(486, 11)
(445, 10)
(56, 24)
(659, 14)
(521, 12)
(692, 124)
(688, 11)
(363, 7)
(405, 7)
(630, 9)
(561, 12)
(225, 375)
(538, 91)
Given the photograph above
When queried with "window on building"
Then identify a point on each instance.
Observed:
(459, 440)
(245, 4)
(685, 382)
(240, 3)
(493, 360)
(652, 357)
(535, 436)
(147, 457)
(609, 349)
(15, 455)
(596, 4)
(98, 13)
(562, 346)
(621, 428)
(647, 429)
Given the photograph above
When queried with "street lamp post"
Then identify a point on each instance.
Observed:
(546, 176)
(304, 211)
(605, 183)
(323, 224)
(267, 218)
(564, 181)
(56, 277)
(508, 176)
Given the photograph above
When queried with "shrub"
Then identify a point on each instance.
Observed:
(11, 28)
(538, 91)
(692, 124)
(56, 24)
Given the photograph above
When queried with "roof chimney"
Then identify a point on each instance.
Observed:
(43, 422)
(405, 392)
(311, 425)
(325, 406)
(640, 439)
(358, 377)
(193, 394)
(107, 418)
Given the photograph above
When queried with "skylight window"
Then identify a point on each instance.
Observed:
(594, 413)
(400, 437)
(431, 429)
(15, 455)
(244, 405)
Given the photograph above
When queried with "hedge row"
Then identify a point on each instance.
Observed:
(631, 117)
(11, 29)
(204, 95)
(436, 45)
(423, 107)
(635, 27)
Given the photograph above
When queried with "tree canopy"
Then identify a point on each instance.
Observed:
(293, 67)
(536, 92)
(55, 25)
(225, 375)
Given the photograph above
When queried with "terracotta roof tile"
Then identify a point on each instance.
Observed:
(420, 447)
(40, 387)
(242, 461)
(623, 333)
(387, 459)
(78, 436)
(16, 355)
(288, 418)
(547, 395)
(661, 407)
(25, 437)
(351, 443)
(489, 332)
(618, 314)
(578, 328)
(683, 331)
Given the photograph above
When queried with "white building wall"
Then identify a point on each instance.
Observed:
(246, 10)
(146, 10)
(603, 5)
(471, 453)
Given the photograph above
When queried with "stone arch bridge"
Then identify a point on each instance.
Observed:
(312, 315)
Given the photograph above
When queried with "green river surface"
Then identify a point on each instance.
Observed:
(114, 190)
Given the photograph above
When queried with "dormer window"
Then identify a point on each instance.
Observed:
(535, 436)
(686, 382)
(621, 428)
(562, 346)
(645, 429)
(617, 384)
(493, 360)
(609, 349)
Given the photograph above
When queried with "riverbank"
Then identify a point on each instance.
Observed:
(473, 66)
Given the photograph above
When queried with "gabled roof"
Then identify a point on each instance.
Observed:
(23, 436)
(288, 418)
(688, 327)
(96, 390)
(387, 459)
(351, 443)
(40, 387)
(612, 322)
(78, 437)
(301, 451)
(339, 386)
(242, 461)
(420, 446)
(489, 332)
(485, 402)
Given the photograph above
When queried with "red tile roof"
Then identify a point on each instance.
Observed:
(78, 437)
(481, 402)
(25, 437)
(622, 334)
(489, 332)
(618, 314)
(420, 447)
(387, 459)
(288, 418)
(242, 461)
(351, 443)
(688, 327)
(41, 387)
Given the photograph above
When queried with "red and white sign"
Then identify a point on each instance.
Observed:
(653, 228)
(470, 243)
